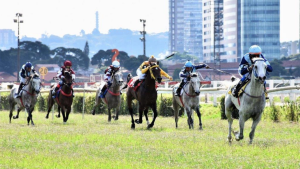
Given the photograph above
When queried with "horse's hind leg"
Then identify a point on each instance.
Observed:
(254, 124)
(199, 116)
(109, 115)
(140, 120)
(58, 109)
(50, 104)
(129, 105)
(228, 114)
(18, 112)
(176, 111)
(190, 119)
(11, 109)
(239, 136)
(68, 113)
(29, 118)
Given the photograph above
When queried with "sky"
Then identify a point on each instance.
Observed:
(60, 17)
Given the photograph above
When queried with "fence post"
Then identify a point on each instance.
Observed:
(215, 85)
(271, 86)
(292, 95)
(83, 102)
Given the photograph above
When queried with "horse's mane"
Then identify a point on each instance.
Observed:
(257, 59)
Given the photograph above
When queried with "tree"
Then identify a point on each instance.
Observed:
(86, 50)
(278, 69)
(176, 74)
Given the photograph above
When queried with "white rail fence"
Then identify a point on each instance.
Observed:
(218, 89)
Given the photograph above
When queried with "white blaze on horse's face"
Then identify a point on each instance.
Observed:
(36, 83)
(196, 83)
(259, 70)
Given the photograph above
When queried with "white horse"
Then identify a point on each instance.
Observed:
(251, 103)
(28, 98)
(189, 100)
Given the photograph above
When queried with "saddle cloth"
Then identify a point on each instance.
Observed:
(241, 90)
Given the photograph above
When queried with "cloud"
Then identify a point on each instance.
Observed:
(163, 55)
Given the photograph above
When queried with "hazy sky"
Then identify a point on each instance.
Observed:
(59, 17)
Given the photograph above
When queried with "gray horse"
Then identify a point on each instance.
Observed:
(28, 98)
(189, 100)
(250, 104)
(112, 98)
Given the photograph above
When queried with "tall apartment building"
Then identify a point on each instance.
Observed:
(185, 27)
(7, 38)
(244, 23)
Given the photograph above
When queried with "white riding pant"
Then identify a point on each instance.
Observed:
(107, 78)
(140, 74)
(22, 80)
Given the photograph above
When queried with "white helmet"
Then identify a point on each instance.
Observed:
(116, 64)
(254, 49)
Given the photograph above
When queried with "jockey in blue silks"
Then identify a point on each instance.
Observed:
(246, 66)
(26, 72)
(185, 74)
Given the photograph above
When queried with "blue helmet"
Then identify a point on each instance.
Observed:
(188, 64)
(28, 64)
(254, 49)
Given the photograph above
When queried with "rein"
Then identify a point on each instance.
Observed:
(188, 94)
(253, 96)
(151, 73)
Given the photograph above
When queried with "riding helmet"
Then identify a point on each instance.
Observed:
(116, 64)
(67, 63)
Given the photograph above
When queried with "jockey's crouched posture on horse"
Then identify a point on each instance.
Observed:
(109, 72)
(246, 67)
(185, 74)
(61, 74)
(25, 74)
(144, 67)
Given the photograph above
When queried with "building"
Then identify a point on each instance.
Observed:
(7, 38)
(185, 27)
(230, 27)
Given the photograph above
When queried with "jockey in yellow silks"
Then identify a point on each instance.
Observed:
(144, 67)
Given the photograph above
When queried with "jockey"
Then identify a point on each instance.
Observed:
(246, 66)
(66, 67)
(111, 70)
(145, 66)
(185, 74)
(25, 74)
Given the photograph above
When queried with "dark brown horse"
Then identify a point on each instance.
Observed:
(65, 98)
(146, 95)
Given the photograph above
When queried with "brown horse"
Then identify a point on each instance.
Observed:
(146, 95)
(65, 98)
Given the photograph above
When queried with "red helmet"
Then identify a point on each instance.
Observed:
(67, 63)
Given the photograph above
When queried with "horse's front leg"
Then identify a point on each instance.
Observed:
(50, 104)
(109, 114)
(254, 124)
(68, 113)
(140, 120)
(146, 115)
(240, 135)
(11, 109)
(190, 119)
(29, 118)
(154, 109)
(199, 116)
(63, 112)
(230, 120)
(58, 109)
(117, 113)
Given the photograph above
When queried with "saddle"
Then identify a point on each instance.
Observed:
(132, 81)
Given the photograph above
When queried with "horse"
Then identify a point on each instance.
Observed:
(146, 95)
(250, 104)
(28, 99)
(189, 100)
(64, 100)
(112, 98)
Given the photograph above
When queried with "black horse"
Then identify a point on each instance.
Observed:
(65, 99)
(146, 95)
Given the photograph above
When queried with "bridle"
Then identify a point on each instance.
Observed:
(151, 72)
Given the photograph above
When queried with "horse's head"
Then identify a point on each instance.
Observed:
(195, 83)
(259, 69)
(68, 80)
(36, 83)
(118, 78)
(155, 73)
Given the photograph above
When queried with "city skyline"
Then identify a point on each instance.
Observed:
(70, 17)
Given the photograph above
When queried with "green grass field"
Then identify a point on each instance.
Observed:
(92, 142)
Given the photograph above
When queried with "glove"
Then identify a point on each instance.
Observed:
(207, 67)
(170, 78)
(62, 76)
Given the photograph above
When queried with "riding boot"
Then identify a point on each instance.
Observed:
(72, 92)
(136, 82)
(54, 92)
(236, 89)
(19, 89)
(179, 88)
(102, 92)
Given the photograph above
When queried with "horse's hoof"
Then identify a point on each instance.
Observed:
(200, 128)
(132, 126)
(65, 123)
(15, 117)
(46, 117)
(137, 121)
(150, 126)
(57, 116)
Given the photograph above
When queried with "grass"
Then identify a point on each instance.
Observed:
(92, 142)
